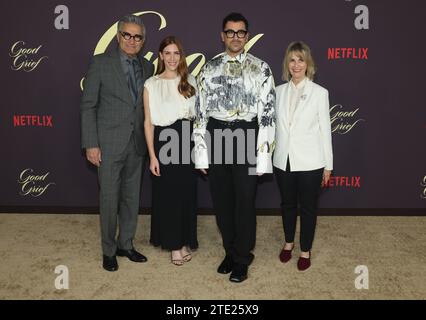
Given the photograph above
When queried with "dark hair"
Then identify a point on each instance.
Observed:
(235, 17)
(184, 87)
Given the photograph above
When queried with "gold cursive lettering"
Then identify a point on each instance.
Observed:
(343, 122)
(27, 65)
(252, 42)
(30, 189)
(32, 184)
(21, 60)
(109, 35)
(192, 58)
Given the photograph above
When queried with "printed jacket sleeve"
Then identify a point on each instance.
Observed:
(201, 158)
(266, 118)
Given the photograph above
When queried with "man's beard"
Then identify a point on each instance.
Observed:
(234, 49)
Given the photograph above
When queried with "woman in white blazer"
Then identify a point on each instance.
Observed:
(303, 156)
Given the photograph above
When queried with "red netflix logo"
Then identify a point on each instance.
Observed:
(32, 121)
(348, 53)
(343, 182)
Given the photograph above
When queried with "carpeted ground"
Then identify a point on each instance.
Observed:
(392, 248)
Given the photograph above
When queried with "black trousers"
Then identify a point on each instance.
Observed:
(174, 194)
(233, 192)
(299, 188)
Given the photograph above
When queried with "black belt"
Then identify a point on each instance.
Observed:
(234, 123)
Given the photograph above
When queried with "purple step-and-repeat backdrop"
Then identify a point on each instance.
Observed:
(369, 57)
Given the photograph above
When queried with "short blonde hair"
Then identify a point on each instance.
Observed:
(303, 51)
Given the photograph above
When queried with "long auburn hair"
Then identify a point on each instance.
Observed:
(184, 87)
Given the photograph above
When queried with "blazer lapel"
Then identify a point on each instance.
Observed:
(143, 66)
(286, 95)
(144, 76)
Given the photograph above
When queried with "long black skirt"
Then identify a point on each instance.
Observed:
(174, 192)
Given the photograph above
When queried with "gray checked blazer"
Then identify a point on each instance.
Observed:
(108, 113)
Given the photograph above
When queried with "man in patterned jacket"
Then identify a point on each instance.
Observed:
(236, 104)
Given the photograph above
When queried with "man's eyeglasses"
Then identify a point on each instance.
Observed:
(128, 36)
(231, 33)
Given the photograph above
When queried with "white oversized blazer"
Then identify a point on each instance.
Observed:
(307, 141)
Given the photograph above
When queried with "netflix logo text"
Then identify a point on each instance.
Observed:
(33, 121)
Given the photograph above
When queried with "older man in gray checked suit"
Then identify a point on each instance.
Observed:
(112, 134)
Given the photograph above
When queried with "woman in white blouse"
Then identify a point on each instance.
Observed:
(303, 157)
(169, 100)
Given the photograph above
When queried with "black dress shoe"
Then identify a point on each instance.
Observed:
(132, 254)
(239, 273)
(110, 263)
(226, 265)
